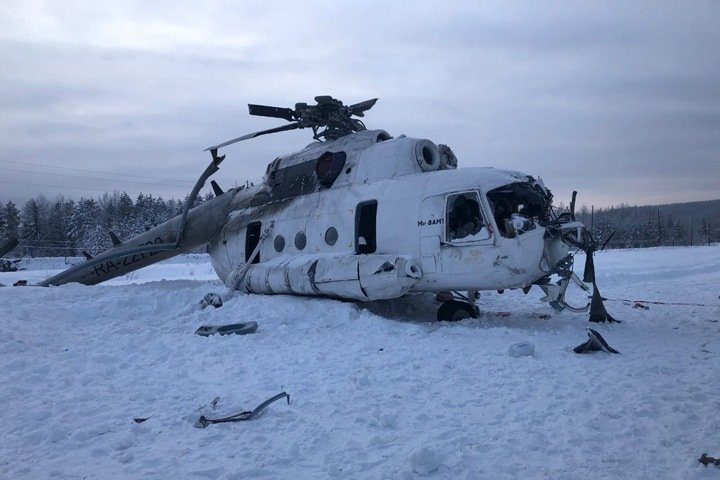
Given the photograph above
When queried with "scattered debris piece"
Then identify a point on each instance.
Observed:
(203, 421)
(522, 349)
(640, 305)
(9, 265)
(214, 403)
(20, 283)
(140, 419)
(596, 343)
(233, 328)
(211, 299)
(706, 460)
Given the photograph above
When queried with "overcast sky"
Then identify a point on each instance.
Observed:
(618, 100)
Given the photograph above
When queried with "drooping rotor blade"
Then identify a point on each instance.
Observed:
(589, 272)
(359, 108)
(273, 112)
(598, 313)
(292, 126)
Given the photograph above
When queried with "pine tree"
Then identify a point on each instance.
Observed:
(124, 217)
(85, 227)
(58, 242)
(34, 226)
(12, 220)
(3, 223)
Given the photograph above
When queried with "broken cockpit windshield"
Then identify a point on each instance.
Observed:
(518, 206)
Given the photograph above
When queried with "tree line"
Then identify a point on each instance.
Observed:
(64, 227)
(695, 223)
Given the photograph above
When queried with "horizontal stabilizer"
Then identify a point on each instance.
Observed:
(216, 188)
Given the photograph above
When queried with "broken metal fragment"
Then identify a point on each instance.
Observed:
(596, 343)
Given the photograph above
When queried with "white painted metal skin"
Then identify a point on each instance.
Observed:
(410, 229)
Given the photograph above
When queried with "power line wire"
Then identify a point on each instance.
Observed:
(69, 175)
(45, 185)
(93, 171)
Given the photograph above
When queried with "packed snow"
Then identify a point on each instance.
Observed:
(377, 390)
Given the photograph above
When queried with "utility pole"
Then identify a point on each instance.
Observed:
(692, 227)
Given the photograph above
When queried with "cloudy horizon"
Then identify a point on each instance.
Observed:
(617, 100)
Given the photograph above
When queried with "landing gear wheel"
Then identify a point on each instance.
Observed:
(455, 310)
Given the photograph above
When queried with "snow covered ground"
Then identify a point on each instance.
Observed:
(378, 390)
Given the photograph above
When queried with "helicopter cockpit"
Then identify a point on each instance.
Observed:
(518, 207)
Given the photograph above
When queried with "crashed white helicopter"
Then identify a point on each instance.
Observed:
(360, 215)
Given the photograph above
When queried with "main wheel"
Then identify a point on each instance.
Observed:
(455, 310)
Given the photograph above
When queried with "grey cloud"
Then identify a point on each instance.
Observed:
(619, 100)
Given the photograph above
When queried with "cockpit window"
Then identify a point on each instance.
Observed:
(464, 218)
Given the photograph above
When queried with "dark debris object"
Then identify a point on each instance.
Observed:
(244, 415)
(211, 299)
(706, 460)
(595, 343)
(234, 328)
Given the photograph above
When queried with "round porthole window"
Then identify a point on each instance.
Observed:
(279, 243)
(300, 240)
(331, 236)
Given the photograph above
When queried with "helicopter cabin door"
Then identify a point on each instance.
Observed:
(465, 231)
(431, 225)
(252, 238)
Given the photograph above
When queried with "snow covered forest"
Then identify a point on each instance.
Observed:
(678, 224)
(64, 227)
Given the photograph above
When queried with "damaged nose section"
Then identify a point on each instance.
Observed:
(573, 234)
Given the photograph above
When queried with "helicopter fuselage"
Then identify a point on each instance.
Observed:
(383, 205)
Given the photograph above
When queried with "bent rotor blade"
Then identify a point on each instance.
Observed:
(598, 313)
(292, 126)
(589, 272)
(273, 112)
(359, 108)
